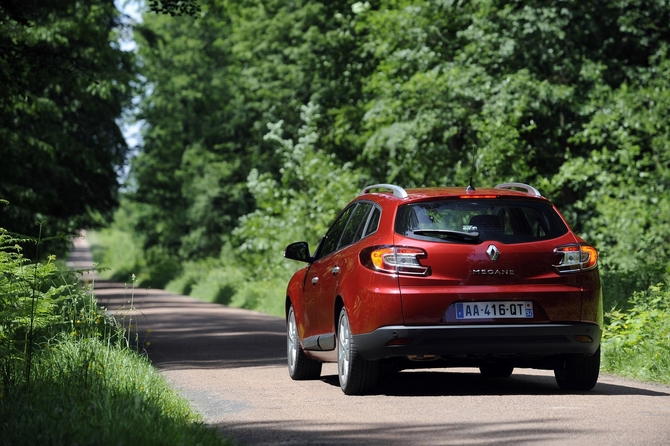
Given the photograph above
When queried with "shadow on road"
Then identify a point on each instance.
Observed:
(531, 431)
(443, 382)
(180, 332)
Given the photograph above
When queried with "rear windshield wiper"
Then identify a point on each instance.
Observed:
(448, 234)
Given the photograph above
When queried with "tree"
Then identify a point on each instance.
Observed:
(189, 174)
(407, 92)
(622, 185)
(213, 84)
(65, 85)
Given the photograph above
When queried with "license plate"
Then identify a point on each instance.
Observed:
(497, 310)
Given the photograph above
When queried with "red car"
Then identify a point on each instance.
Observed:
(446, 277)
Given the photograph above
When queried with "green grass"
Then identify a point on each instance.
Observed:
(115, 252)
(69, 374)
(87, 392)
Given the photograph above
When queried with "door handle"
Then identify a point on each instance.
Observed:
(335, 270)
(315, 280)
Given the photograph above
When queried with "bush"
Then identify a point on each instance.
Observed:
(636, 342)
(619, 286)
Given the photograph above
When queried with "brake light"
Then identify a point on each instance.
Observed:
(573, 258)
(395, 260)
(479, 196)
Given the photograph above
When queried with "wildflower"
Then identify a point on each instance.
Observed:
(149, 330)
(148, 344)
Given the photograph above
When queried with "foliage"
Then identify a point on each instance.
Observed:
(37, 302)
(186, 181)
(569, 96)
(623, 184)
(312, 188)
(65, 84)
(175, 7)
(636, 343)
(205, 125)
(67, 373)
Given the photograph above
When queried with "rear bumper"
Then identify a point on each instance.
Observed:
(448, 340)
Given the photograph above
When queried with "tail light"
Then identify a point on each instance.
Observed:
(574, 258)
(395, 260)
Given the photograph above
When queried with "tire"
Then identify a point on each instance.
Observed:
(357, 376)
(300, 367)
(580, 373)
(496, 371)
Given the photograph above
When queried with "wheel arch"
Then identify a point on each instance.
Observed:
(287, 305)
(339, 304)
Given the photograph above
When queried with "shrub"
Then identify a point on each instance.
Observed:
(636, 342)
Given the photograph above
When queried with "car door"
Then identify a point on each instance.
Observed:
(332, 261)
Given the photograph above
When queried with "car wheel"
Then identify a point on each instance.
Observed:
(579, 372)
(300, 367)
(496, 371)
(357, 376)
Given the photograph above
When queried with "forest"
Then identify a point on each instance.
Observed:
(261, 119)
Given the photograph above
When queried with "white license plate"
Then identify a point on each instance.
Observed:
(494, 310)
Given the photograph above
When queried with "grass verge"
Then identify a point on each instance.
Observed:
(68, 372)
(87, 392)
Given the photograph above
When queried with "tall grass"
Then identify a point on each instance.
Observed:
(68, 372)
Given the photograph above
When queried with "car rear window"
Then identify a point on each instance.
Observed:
(477, 220)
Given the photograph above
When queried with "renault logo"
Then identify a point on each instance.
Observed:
(493, 252)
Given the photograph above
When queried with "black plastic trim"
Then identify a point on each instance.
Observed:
(443, 340)
(324, 342)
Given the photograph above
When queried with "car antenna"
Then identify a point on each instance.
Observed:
(470, 187)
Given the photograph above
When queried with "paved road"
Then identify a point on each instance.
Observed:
(230, 364)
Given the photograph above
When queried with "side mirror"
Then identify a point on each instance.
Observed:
(298, 251)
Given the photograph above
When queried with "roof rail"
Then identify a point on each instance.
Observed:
(398, 191)
(529, 189)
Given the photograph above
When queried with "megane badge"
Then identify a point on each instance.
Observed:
(493, 252)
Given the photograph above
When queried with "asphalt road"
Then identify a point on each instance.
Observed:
(231, 365)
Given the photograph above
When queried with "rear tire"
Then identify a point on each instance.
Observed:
(579, 373)
(496, 371)
(357, 376)
(300, 366)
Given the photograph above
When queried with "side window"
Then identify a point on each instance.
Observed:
(332, 238)
(352, 233)
(373, 224)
